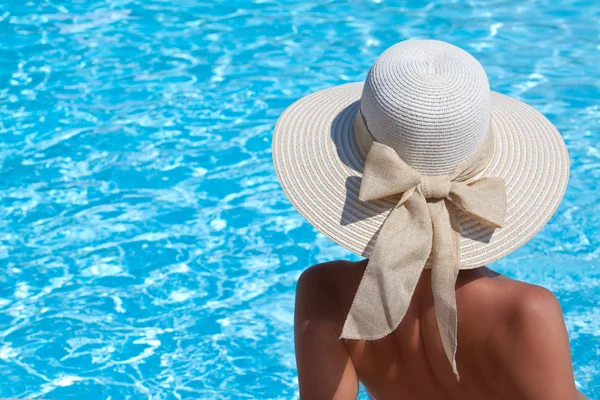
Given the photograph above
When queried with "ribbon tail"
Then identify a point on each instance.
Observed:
(444, 272)
(394, 268)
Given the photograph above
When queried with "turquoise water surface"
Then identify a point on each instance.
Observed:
(147, 250)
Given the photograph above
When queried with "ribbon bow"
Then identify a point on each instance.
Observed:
(423, 225)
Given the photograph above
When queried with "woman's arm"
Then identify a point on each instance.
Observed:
(325, 370)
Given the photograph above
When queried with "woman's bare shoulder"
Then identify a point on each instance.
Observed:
(508, 303)
(481, 288)
(327, 289)
(502, 309)
(481, 293)
(526, 341)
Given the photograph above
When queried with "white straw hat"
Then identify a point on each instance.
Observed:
(431, 103)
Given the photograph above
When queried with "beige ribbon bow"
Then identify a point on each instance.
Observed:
(423, 225)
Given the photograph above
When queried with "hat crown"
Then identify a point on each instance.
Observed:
(430, 101)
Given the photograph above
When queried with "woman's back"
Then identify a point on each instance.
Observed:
(514, 344)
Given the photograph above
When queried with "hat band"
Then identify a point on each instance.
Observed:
(423, 227)
(471, 166)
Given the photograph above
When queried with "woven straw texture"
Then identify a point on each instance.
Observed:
(429, 101)
(320, 166)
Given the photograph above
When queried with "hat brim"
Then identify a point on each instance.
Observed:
(319, 166)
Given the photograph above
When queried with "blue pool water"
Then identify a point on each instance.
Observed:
(147, 250)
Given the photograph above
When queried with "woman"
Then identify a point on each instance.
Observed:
(431, 176)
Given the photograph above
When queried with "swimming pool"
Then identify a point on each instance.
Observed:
(147, 248)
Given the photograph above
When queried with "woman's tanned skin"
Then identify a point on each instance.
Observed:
(512, 342)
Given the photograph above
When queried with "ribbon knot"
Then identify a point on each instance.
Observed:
(435, 187)
(422, 227)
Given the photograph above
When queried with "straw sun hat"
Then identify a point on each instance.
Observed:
(421, 166)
